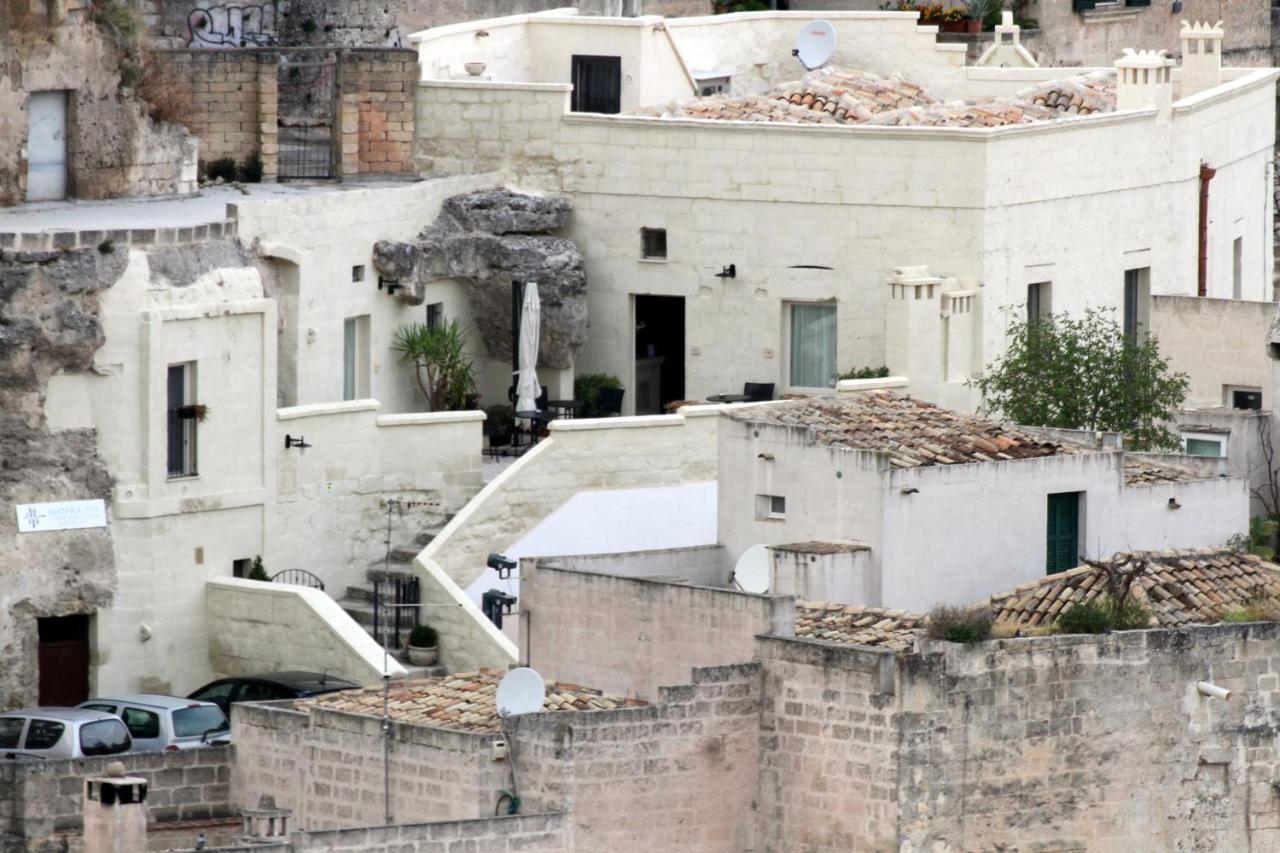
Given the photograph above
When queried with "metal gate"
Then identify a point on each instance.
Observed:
(307, 103)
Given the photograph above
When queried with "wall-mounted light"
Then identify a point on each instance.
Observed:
(730, 271)
(502, 564)
(299, 442)
(1173, 504)
(390, 284)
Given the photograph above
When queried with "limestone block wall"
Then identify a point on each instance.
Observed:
(375, 111)
(630, 636)
(1217, 343)
(255, 626)
(41, 798)
(526, 833)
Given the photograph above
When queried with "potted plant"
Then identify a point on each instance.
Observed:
(587, 389)
(500, 420)
(438, 355)
(423, 649)
(194, 411)
(953, 20)
(977, 12)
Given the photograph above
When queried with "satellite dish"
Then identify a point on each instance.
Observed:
(751, 573)
(815, 44)
(521, 691)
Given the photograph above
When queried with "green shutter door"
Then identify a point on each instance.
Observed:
(1064, 532)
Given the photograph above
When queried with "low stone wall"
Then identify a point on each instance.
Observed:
(630, 636)
(523, 833)
(121, 239)
(255, 626)
(40, 799)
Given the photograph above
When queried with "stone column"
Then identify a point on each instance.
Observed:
(269, 114)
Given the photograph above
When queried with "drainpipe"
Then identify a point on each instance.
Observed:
(1206, 175)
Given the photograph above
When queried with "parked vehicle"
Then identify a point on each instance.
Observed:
(166, 723)
(53, 733)
(269, 687)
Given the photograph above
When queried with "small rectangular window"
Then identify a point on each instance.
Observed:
(653, 243)
(1202, 446)
(1246, 398)
(771, 507)
(1038, 306)
(357, 272)
(355, 358)
(1237, 257)
(1137, 296)
(184, 415)
(435, 315)
(240, 568)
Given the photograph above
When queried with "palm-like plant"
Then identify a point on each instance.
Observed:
(440, 363)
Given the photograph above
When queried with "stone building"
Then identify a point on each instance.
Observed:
(928, 205)
(72, 122)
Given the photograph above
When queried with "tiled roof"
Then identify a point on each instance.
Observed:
(465, 701)
(816, 547)
(844, 96)
(862, 626)
(914, 433)
(1180, 587)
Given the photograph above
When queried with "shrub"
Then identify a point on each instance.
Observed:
(500, 419)
(251, 169)
(118, 20)
(587, 389)
(1130, 615)
(423, 637)
(223, 167)
(1087, 617)
(1262, 606)
(258, 572)
(162, 100)
(438, 355)
(865, 373)
(107, 247)
(960, 624)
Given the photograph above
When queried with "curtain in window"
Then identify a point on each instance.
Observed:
(813, 346)
(349, 359)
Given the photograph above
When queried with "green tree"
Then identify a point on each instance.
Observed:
(1085, 373)
(439, 360)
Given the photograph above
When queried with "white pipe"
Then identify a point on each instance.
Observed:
(1213, 691)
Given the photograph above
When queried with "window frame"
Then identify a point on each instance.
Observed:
(1053, 562)
(182, 435)
(355, 357)
(767, 508)
(657, 235)
(1217, 438)
(789, 347)
(1039, 300)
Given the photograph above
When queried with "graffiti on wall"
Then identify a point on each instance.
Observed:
(248, 25)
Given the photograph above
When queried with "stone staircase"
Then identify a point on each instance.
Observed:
(358, 601)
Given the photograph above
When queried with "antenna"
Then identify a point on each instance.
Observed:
(815, 44)
(521, 691)
(751, 573)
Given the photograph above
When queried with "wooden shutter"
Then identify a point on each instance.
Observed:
(1063, 533)
(1084, 5)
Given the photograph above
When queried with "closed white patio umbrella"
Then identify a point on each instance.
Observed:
(528, 388)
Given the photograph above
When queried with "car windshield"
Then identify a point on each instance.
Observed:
(197, 721)
(10, 731)
(104, 737)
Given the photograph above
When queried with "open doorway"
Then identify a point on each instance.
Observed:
(659, 352)
(63, 659)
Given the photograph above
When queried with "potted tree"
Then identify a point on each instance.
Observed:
(422, 648)
(500, 421)
(438, 355)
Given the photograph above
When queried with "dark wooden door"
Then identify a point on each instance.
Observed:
(597, 84)
(63, 658)
(1063, 535)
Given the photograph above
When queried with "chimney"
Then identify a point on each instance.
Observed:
(115, 817)
(1144, 80)
(1201, 57)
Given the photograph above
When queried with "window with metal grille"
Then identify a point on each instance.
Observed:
(1063, 536)
(597, 84)
(653, 243)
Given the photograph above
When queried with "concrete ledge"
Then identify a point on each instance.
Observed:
(321, 409)
(1262, 77)
(427, 82)
(428, 418)
(633, 422)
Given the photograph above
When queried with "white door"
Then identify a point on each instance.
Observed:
(47, 146)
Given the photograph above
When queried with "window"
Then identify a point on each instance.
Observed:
(1063, 536)
(241, 568)
(771, 507)
(1196, 444)
(43, 734)
(140, 723)
(357, 272)
(1038, 305)
(1137, 296)
(195, 722)
(253, 692)
(355, 358)
(653, 243)
(812, 346)
(10, 732)
(184, 416)
(435, 315)
(105, 737)
(597, 84)
(1246, 398)
(1237, 256)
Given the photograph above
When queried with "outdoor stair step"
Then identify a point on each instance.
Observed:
(359, 593)
(377, 573)
(426, 537)
(359, 610)
(404, 554)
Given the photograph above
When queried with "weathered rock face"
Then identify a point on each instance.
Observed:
(48, 323)
(490, 239)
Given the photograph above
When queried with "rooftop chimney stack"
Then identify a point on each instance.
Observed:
(1144, 80)
(115, 812)
(1201, 57)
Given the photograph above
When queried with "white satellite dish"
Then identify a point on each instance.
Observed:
(751, 573)
(815, 44)
(521, 691)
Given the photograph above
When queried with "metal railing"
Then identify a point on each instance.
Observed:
(396, 608)
(298, 577)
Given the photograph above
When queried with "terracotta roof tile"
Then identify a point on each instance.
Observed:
(465, 701)
(862, 626)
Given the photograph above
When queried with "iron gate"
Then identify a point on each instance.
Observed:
(307, 104)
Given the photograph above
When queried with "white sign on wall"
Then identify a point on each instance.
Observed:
(61, 515)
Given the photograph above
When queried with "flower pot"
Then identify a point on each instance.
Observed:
(973, 25)
(420, 656)
(953, 26)
(475, 69)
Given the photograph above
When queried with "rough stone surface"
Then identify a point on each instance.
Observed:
(485, 238)
(180, 266)
(48, 323)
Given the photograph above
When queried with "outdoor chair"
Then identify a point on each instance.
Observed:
(609, 402)
(758, 392)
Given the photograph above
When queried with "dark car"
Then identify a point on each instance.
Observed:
(268, 687)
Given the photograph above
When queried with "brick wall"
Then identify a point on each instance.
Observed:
(39, 799)
(376, 107)
(630, 635)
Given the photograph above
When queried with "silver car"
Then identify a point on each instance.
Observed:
(54, 733)
(166, 723)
